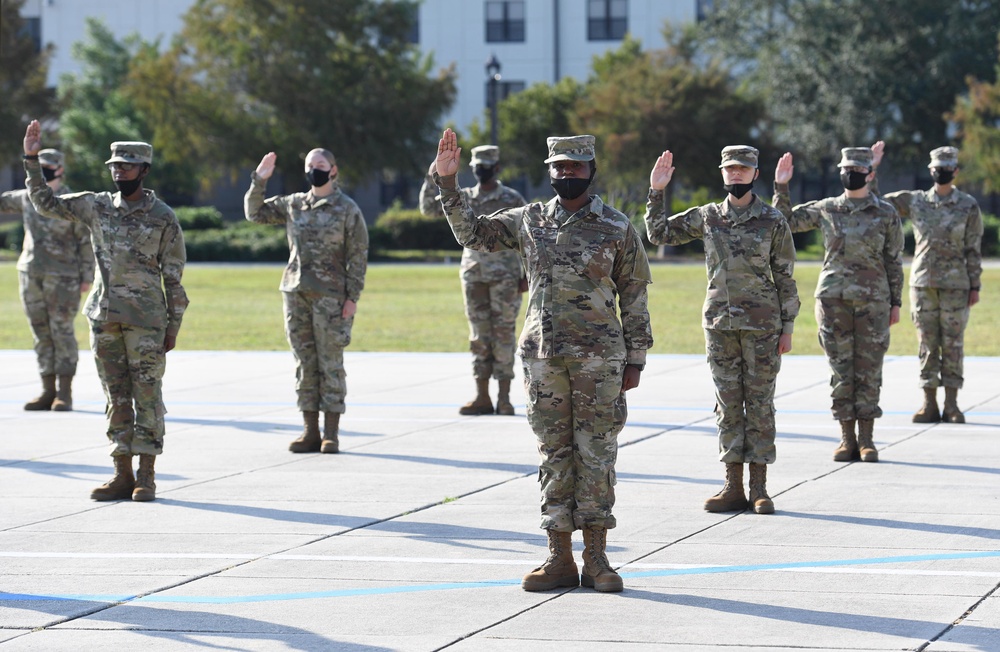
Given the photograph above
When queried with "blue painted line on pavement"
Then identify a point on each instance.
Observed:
(420, 588)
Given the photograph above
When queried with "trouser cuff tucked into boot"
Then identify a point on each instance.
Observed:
(559, 570)
(866, 429)
(145, 485)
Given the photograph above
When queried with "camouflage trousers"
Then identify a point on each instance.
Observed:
(318, 334)
(130, 362)
(855, 337)
(51, 303)
(940, 317)
(744, 367)
(576, 409)
(491, 309)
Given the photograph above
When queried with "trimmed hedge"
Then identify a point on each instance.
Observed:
(238, 242)
(12, 235)
(199, 218)
(408, 228)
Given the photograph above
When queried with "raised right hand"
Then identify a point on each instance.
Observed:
(266, 166)
(662, 172)
(448, 154)
(783, 172)
(33, 138)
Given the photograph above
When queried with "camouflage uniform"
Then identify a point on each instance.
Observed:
(862, 277)
(55, 260)
(751, 300)
(328, 240)
(947, 263)
(136, 301)
(573, 345)
(489, 280)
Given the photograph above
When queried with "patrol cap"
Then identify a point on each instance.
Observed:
(51, 157)
(860, 157)
(942, 157)
(130, 151)
(739, 155)
(570, 148)
(485, 155)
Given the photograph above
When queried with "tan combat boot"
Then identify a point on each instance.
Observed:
(928, 412)
(597, 571)
(119, 487)
(951, 413)
(331, 429)
(310, 440)
(559, 570)
(731, 498)
(865, 440)
(848, 449)
(504, 405)
(762, 503)
(44, 400)
(64, 395)
(482, 403)
(145, 485)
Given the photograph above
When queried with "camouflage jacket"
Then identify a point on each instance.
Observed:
(51, 247)
(479, 266)
(948, 234)
(139, 249)
(576, 271)
(750, 260)
(327, 239)
(862, 245)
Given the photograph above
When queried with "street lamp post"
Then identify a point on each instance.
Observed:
(493, 75)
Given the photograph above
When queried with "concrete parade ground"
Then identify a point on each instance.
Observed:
(416, 536)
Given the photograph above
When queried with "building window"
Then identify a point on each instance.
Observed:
(32, 28)
(504, 88)
(607, 20)
(505, 22)
(413, 35)
(703, 9)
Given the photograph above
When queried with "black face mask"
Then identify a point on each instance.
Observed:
(853, 180)
(484, 173)
(49, 174)
(571, 188)
(127, 187)
(737, 190)
(942, 176)
(317, 177)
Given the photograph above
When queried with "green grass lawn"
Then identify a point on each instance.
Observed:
(409, 307)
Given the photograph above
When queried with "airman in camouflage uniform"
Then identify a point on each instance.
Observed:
(55, 266)
(581, 257)
(320, 288)
(944, 279)
(491, 284)
(749, 313)
(135, 308)
(858, 294)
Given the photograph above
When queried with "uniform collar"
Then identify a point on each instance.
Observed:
(314, 201)
(753, 210)
(123, 204)
(489, 194)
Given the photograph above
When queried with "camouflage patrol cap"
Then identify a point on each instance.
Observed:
(485, 155)
(570, 148)
(51, 157)
(944, 157)
(860, 157)
(130, 152)
(739, 155)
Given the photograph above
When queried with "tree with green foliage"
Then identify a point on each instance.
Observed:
(640, 103)
(525, 120)
(245, 77)
(97, 111)
(23, 70)
(977, 115)
(836, 73)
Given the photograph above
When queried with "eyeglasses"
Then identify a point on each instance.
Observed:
(124, 167)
